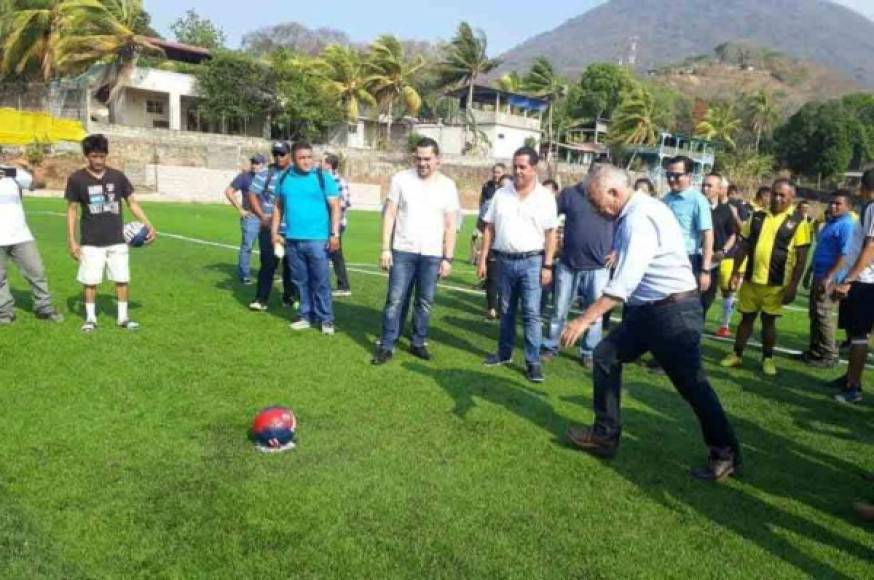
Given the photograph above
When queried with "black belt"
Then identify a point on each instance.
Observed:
(678, 297)
(518, 255)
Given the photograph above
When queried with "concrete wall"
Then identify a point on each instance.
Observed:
(180, 165)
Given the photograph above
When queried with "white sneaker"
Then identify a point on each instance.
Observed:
(328, 328)
(89, 326)
(129, 324)
(341, 293)
(257, 306)
(300, 324)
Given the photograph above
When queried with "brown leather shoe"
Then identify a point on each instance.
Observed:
(720, 466)
(586, 439)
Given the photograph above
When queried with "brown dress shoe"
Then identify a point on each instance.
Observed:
(586, 439)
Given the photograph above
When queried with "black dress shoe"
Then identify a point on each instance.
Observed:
(586, 439)
(381, 356)
(720, 466)
(534, 373)
(420, 352)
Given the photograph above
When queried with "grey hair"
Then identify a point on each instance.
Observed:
(611, 177)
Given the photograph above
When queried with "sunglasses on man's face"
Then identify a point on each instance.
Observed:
(674, 175)
(279, 154)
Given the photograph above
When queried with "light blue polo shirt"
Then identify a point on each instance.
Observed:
(692, 210)
(305, 205)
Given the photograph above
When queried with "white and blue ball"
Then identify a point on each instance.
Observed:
(135, 234)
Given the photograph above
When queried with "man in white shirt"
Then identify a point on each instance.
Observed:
(418, 244)
(521, 224)
(654, 278)
(17, 244)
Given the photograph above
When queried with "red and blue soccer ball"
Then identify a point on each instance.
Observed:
(273, 429)
(135, 234)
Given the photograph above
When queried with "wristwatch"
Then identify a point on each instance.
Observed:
(547, 266)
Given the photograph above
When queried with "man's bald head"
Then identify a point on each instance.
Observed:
(609, 189)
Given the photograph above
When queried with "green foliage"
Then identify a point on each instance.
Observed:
(720, 124)
(602, 87)
(233, 85)
(825, 138)
(35, 153)
(745, 168)
(342, 69)
(306, 106)
(635, 119)
(198, 31)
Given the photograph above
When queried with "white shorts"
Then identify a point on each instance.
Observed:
(94, 260)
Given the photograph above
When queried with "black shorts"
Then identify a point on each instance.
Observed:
(860, 310)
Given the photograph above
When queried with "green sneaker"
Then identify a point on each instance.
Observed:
(768, 367)
(731, 360)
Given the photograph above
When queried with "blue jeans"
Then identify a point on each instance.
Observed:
(308, 261)
(406, 269)
(520, 282)
(590, 284)
(672, 332)
(249, 227)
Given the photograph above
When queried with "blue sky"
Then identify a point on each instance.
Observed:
(505, 22)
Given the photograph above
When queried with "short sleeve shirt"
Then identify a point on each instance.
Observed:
(764, 259)
(263, 185)
(835, 240)
(305, 204)
(13, 227)
(863, 230)
(692, 211)
(422, 208)
(242, 183)
(521, 223)
(588, 236)
(102, 222)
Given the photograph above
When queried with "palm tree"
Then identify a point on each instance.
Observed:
(105, 33)
(30, 32)
(719, 124)
(464, 61)
(343, 71)
(763, 114)
(511, 83)
(391, 77)
(634, 120)
(542, 81)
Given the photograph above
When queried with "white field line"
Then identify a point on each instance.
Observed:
(360, 269)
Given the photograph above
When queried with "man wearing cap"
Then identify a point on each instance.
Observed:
(262, 199)
(249, 222)
(663, 315)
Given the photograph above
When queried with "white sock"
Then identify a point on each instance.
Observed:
(90, 312)
(727, 309)
(122, 311)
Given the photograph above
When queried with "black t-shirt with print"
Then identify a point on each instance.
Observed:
(102, 223)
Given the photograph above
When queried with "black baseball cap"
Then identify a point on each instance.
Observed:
(259, 159)
(280, 148)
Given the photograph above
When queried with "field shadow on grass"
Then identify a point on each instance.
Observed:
(774, 465)
(25, 552)
(807, 398)
(466, 386)
(106, 304)
(243, 294)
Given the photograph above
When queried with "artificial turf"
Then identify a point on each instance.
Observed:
(126, 454)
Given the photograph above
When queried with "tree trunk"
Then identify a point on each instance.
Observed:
(470, 111)
(551, 139)
(388, 124)
(758, 138)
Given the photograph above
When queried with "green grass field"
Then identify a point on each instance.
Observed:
(126, 454)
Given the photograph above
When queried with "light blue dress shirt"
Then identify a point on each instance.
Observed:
(652, 261)
(692, 210)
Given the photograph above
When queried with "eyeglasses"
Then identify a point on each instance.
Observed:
(674, 175)
(279, 154)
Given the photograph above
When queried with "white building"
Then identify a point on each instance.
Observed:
(504, 122)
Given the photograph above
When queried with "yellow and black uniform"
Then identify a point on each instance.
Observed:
(773, 240)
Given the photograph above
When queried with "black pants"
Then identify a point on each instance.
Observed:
(340, 267)
(709, 297)
(269, 263)
(672, 332)
(492, 277)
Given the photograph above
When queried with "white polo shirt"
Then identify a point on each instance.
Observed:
(13, 227)
(422, 208)
(521, 224)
